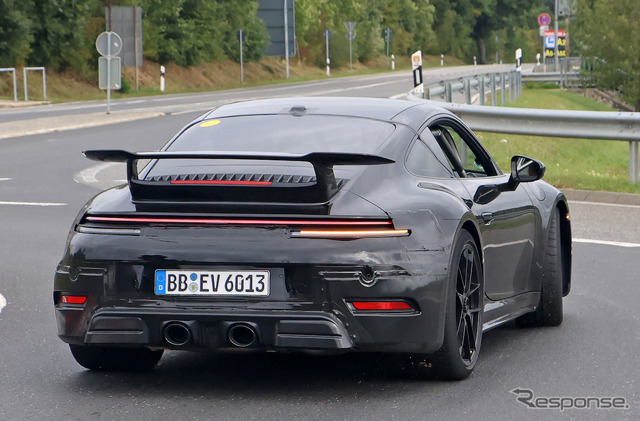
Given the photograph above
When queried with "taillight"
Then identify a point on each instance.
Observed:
(333, 228)
(73, 299)
(348, 234)
(381, 306)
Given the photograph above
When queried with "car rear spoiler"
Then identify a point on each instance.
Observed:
(323, 162)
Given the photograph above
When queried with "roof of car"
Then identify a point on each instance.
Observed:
(376, 108)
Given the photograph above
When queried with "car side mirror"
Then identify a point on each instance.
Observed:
(525, 169)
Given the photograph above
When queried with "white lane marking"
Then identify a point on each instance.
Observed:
(90, 175)
(3, 302)
(5, 179)
(32, 204)
(619, 205)
(398, 96)
(606, 243)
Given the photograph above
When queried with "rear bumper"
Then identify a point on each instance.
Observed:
(308, 306)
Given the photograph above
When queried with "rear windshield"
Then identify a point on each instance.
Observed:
(274, 134)
(285, 133)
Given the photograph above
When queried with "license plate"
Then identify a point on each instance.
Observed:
(253, 283)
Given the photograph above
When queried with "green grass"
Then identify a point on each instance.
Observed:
(584, 164)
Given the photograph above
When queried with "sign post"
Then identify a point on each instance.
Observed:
(416, 64)
(351, 35)
(327, 35)
(109, 45)
(387, 37)
(241, 40)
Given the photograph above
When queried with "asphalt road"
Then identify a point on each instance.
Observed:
(44, 181)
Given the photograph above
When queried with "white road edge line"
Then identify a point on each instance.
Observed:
(5, 179)
(31, 204)
(3, 302)
(397, 96)
(606, 243)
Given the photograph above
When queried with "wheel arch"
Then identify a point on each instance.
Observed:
(565, 241)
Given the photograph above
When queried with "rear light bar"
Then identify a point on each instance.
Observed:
(346, 229)
(73, 299)
(235, 221)
(350, 233)
(382, 306)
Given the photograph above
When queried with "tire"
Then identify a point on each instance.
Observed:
(457, 357)
(103, 358)
(549, 311)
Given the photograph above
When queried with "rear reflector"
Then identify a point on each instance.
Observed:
(381, 305)
(73, 299)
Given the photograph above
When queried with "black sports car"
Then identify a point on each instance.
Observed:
(324, 224)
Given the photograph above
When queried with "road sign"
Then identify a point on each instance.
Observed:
(544, 19)
(109, 44)
(543, 29)
(416, 59)
(104, 76)
(350, 26)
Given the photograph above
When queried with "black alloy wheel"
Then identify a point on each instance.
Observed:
(457, 357)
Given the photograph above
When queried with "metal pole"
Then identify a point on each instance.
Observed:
(351, 50)
(15, 86)
(44, 82)
(26, 86)
(326, 35)
(467, 91)
(135, 45)
(633, 161)
(109, 72)
(447, 92)
(494, 94)
(286, 36)
(481, 90)
(242, 56)
(555, 44)
(503, 89)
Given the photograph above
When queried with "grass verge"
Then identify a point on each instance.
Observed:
(584, 164)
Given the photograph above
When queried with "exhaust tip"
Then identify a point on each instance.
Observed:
(242, 335)
(177, 334)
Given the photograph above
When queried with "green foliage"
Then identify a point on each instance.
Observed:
(608, 32)
(58, 33)
(15, 34)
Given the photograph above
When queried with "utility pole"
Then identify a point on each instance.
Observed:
(555, 44)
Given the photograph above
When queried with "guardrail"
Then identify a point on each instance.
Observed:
(480, 84)
(607, 125)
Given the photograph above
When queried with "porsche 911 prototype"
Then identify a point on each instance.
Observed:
(314, 224)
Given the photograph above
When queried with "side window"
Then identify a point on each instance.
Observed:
(422, 162)
(465, 156)
(469, 161)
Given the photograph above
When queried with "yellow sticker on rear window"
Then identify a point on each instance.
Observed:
(210, 123)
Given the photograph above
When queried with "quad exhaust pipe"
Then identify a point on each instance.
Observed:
(176, 334)
(242, 335)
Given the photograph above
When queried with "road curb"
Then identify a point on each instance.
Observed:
(603, 197)
(45, 125)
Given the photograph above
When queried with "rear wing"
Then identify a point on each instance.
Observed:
(320, 191)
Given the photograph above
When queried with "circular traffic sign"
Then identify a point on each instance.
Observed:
(544, 19)
(109, 44)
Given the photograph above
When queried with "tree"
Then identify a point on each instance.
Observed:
(608, 33)
(15, 34)
(59, 33)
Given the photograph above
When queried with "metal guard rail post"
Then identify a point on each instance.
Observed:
(603, 125)
(15, 81)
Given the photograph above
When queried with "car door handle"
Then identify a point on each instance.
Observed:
(487, 218)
